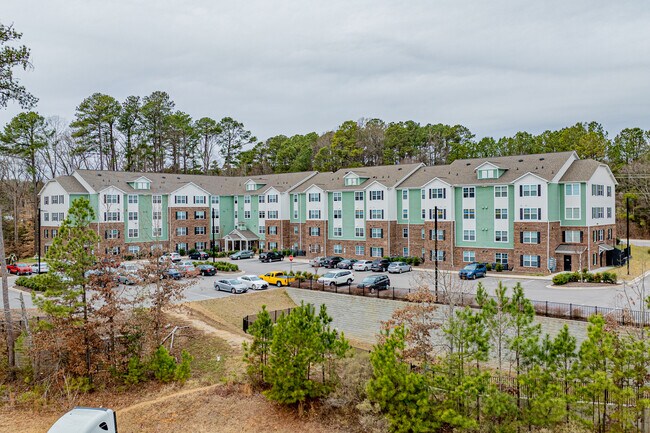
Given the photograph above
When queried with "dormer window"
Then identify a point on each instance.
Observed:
(141, 183)
(352, 181)
(487, 174)
(250, 187)
(488, 170)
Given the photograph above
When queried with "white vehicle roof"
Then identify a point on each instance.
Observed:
(84, 420)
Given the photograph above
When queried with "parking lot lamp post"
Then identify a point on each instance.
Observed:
(435, 228)
(214, 245)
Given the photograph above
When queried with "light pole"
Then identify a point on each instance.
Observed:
(39, 239)
(213, 242)
(435, 228)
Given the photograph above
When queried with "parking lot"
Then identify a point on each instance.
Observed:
(202, 288)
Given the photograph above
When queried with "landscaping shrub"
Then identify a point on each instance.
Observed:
(499, 267)
(561, 279)
(488, 266)
(221, 266)
(163, 365)
(38, 283)
(181, 252)
(609, 277)
(574, 277)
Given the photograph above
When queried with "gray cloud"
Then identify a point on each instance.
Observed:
(293, 67)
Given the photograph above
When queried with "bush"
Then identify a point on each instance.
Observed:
(183, 369)
(609, 277)
(129, 257)
(561, 279)
(163, 365)
(136, 371)
(38, 283)
(181, 252)
(221, 266)
(488, 266)
(499, 267)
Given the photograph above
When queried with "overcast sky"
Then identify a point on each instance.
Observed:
(287, 67)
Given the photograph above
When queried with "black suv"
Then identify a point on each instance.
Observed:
(380, 265)
(199, 255)
(331, 262)
(271, 256)
(378, 282)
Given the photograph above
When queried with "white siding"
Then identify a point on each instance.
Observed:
(190, 191)
(533, 202)
(601, 177)
(54, 189)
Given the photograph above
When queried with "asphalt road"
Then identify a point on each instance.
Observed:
(535, 288)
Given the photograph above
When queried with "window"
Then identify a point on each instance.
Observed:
(133, 216)
(376, 195)
(273, 245)
(609, 212)
(295, 230)
(358, 196)
(609, 191)
(250, 186)
(360, 250)
(295, 198)
(572, 213)
(273, 214)
(359, 232)
(610, 234)
(437, 193)
(437, 255)
(214, 199)
(180, 199)
(110, 216)
(58, 199)
(247, 214)
(273, 230)
(336, 196)
(54, 233)
(530, 261)
(133, 199)
(181, 215)
(313, 214)
(501, 258)
(469, 214)
(55, 217)
(133, 233)
(572, 236)
(469, 256)
(199, 215)
(200, 230)
(405, 194)
(112, 234)
(199, 246)
(597, 190)
(157, 232)
(260, 199)
(487, 174)
(134, 249)
(358, 214)
(500, 191)
(469, 235)
(422, 233)
(337, 213)
(156, 215)
(337, 232)
(314, 231)
(338, 249)
(376, 252)
(597, 212)
(236, 214)
(181, 231)
(108, 199)
(181, 246)
(405, 214)
(599, 235)
(572, 189)
(441, 235)
(352, 181)
(376, 233)
(529, 237)
(530, 190)
(200, 199)
(500, 236)
(247, 199)
(46, 216)
(215, 229)
(46, 200)
(156, 199)
(530, 213)
(468, 192)
(261, 230)
(423, 194)
(295, 214)
(405, 252)
(424, 213)
(442, 214)
(501, 214)
(405, 233)
(376, 214)
(261, 214)
(272, 198)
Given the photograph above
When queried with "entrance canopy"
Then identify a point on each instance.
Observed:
(570, 249)
(604, 247)
(241, 238)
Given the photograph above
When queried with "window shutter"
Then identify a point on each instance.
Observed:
(444, 256)
(563, 236)
(521, 260)
(118, 199)
(539, 213)
(581, 236)
(539, 261)
(443, 235)
(444, 193)
(539, 239)
(104, 215)
(539, 190)
(521, 213)
(381, 232)
(105, 234)
(521, 190)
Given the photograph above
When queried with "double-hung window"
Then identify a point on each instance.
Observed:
(376, 195)
(469, 192)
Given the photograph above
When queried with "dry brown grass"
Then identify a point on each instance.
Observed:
(230, 311)
(640, 263)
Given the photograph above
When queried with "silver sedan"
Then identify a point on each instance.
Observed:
(398, 267)
(231, 285)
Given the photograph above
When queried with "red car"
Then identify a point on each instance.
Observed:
(20, 269)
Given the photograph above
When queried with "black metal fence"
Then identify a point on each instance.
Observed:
(275, 314)
(560, 310)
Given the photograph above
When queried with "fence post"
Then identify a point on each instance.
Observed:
(311, 283)
(570, 311)
(393, 292)
(546, 308)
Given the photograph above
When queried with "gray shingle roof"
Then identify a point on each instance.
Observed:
(71, 185)
(580, 171)
(387, 175)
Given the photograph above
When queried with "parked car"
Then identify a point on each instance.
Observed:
(336, 278)
(173, 257)
(230, 285)
(20, 269)
(244, 254)
(277, 278)
(254, 282)
(346, 264)
(127, 273)
(317, 262)
(44, 269)
(186, 267)
(199, 255)
(331, 261)
(362, 265)
(398, 267)
(207, 270)
(380, 265)
(374, 282)
(172, 273)
(473, 271)
(271, 256)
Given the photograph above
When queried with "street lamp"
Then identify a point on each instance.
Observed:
(435, 228)
(39, 239)
(213, 242)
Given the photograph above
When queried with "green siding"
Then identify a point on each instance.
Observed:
(254, 223)
(302, 209)
(94, 203)
(226, 214)
(415, 207)
(583, 207)
(553, 202)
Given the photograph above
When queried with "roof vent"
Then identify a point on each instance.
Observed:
(521, 160)
(99, 174)
(468, 164)
(542, 158)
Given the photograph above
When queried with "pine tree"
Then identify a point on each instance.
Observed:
(256, 354)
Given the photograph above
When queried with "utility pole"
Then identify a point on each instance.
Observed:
(39, 239)
(214, 245)
(435, 226)
(627, 225)
(5, 301)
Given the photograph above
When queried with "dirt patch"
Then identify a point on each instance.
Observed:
(228, 313)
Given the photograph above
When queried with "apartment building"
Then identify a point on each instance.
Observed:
(530, 212)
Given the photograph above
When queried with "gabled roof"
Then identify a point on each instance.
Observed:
(69, 183)
(581, 170)
(425, 175)
(388, 175)
(491, 164)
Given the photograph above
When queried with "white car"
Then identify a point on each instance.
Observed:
(362, 265)
(336, 278)
(185, 266)
(127, 273)
(45, 268)
(254, 282)
(173, 257)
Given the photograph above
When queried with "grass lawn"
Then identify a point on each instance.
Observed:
(640, 263)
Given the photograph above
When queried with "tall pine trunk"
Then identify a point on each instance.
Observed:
(5, 302)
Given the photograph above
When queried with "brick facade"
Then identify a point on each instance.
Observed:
(283, 236)
(191, 238)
